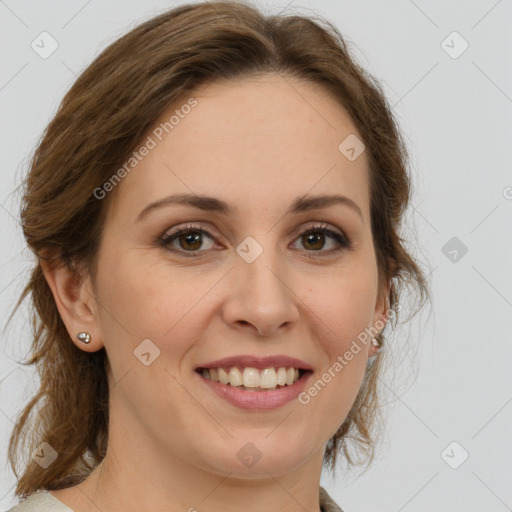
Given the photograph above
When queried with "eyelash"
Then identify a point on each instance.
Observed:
(345, 244)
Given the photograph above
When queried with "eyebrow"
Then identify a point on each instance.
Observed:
(212, 204)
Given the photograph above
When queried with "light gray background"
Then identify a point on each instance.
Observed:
(456, 114)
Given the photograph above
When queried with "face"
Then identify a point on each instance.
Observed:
(261, 279)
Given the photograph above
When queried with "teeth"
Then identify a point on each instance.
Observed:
(252, 378)
(281, 376)
(223, 376)
(235, 377)
(268, 378)
(290, 375)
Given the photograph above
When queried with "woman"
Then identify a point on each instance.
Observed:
(215, 209)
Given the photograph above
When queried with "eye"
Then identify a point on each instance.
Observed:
(190, 239)
(314, 237)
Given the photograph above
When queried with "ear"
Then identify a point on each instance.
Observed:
(380, 314)
(74, 297)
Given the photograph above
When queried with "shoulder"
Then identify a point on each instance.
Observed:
(41, 501)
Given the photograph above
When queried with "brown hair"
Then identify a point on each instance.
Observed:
(100, 121)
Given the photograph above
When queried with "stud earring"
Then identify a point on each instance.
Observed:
(84, 337)
(376, 343)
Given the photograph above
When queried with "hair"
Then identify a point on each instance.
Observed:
(100, 121)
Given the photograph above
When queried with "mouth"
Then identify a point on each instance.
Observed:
(258, 383)
(255, 379)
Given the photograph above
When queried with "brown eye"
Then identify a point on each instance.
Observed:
(189, 239)
(314, 238)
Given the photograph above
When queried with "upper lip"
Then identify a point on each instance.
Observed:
(245, 361)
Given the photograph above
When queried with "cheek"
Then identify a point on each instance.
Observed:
(150, 300)
(133, 292)
(344, 307)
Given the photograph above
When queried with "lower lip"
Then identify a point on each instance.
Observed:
(257, 400)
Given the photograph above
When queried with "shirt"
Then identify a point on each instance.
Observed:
(43, 501)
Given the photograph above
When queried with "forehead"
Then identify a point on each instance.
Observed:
(262, 138)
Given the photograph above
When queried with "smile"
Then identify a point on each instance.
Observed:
(252, 379)
(251, 388)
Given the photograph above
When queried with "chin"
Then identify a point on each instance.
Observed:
(256, 456)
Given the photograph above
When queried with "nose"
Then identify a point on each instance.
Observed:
(260, 297)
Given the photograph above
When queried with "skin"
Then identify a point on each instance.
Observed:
(257, 144)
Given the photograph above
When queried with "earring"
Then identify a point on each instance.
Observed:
(84, 337)
(376, 343)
